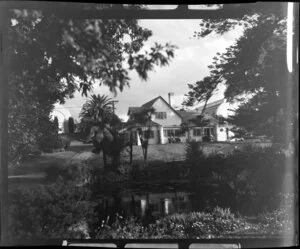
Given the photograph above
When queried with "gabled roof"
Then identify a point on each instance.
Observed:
(148, 105)
(129, 125)
(188, 115)
(134, 110)
(151, 102)
(211, 108)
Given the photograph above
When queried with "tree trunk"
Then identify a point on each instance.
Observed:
(131, 148)
(146, 151)
(104, 160)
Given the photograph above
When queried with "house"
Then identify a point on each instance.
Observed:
(167, 124)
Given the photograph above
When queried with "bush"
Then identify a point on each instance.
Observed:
(193, 152)
(50, 211)
(255, 175)
(51, 142)
(175, 226)
(64, 142)
(282, 218)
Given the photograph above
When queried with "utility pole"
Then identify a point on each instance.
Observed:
(113, 104)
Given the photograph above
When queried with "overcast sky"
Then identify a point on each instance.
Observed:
(188, 66)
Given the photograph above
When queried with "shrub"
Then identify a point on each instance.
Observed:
(50, 211)
(64, 142)
(176, 226)
(193, 152)
(282, 218)
(50, 142)
(255, 175)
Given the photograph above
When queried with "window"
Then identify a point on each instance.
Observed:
(197, 132)
(148, 134)
(212, 131)
(206, 132)
(173, 132)
(160, 115)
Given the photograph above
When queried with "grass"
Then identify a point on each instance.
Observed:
(79, 152)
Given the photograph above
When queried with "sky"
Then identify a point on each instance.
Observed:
(188, 66)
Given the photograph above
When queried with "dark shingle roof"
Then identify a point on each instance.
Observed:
(211, 108)
(131, 125)
(188, 115)
(134, 109)
(148, 105)
(151, 102)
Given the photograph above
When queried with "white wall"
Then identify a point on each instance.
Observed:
(154, 140)
(221, 133)
(172, 117)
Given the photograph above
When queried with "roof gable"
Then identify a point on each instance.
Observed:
(149, 104)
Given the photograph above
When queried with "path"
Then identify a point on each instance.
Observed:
(36, 168)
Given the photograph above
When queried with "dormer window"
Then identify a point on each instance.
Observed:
(160, 115)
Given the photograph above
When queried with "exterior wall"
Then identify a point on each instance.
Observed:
(154, 140)
(192, 137)
(165, 138)
(221, 134)
(172, 118)
(173, 121)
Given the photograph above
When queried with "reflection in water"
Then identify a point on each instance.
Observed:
(146, 204)
(166, 206)
(143, 207)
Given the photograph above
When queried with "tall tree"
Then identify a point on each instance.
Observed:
(97, 110)
(51, 58)
(55, 124)
(254, 71)
(142, 122)
(71, 125)
(97, 115)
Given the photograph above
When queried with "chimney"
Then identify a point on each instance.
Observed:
(170, 94)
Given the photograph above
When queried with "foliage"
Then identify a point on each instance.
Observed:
(49, 211)
(98, 110)
(218, 223)
(280, 219)
(142, 120)
(254, 176)
(51, 142)
(161, 171)
(193, 152)
(43, 72)
(258, 83)
(71, 125)
(63, 210)
(55, 124)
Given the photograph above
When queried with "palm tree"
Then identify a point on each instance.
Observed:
(98, 116)
(97, 110)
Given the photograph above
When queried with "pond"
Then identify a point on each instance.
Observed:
(161, 200)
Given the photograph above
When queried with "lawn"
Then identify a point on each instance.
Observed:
(79, 152)
(176, 151)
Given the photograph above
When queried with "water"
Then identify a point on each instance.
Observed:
(159, 201)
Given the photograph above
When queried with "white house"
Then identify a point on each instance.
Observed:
(166, 122)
